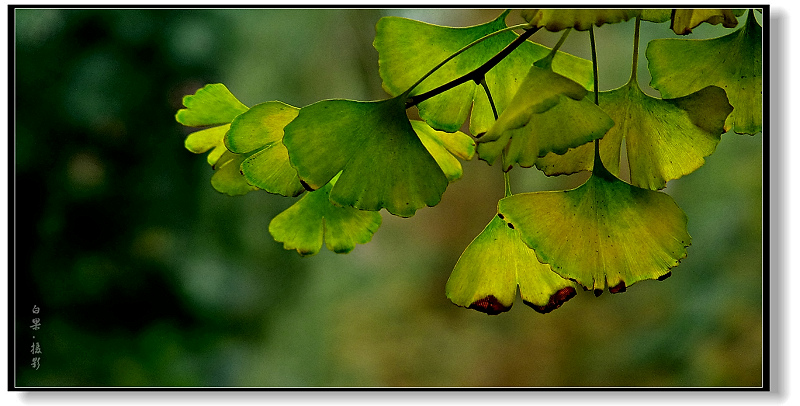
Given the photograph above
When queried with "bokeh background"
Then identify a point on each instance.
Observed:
(146, 277)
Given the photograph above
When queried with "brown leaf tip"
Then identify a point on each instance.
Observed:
(556, 300)
(489, 305)
(619, 288)
(665, 276)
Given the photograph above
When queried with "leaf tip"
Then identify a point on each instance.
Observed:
(489, 305)
(556, 300)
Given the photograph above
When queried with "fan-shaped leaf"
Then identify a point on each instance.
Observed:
(259, 133)
(445, 147)
(408, 49)
(656, 15)
(580, 19)
(549, 113)
(382, 160)
(665, 139)
(313, 219)
(494, 264)
(605, 232)
(733, 62)
(211, 105)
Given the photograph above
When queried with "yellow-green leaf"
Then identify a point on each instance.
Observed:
(603, 233)
(733, 62)
(314, 219)
(445, 147)
(579, 19)
(487, 274)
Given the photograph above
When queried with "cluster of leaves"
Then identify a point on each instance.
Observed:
(528, 105)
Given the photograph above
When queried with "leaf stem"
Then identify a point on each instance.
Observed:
(598, 163)
(506, 180)
(635, 64)
(476, 74)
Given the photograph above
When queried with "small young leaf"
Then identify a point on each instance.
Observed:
(212, 104)
(408, 49)
(605, 232)
(445, 147)
(259, 133)
(733, 62)
(313, 218)
(579, 19)
(201, 141)
(382, 161)
(486, 276)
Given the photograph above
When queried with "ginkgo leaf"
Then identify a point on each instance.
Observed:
(259, 133)
(211, 139)
(733, 62)
(487, 274)
(382, 160)
(656, 15)
(684, 20)
(579, 19)
(211, 105)
(314, 219)
(665, 139)
(227, 177)
(408, 49)
(603, 233)
(535, 127)
(445, 147)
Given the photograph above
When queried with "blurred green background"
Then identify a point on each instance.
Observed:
(146, 276)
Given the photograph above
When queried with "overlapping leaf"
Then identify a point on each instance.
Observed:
(214, 105)
(445, 147)
(665, 139)
(549, 113)
(494, 264)
(382, 161)
(603, 233)
(733, 62)
(314, 219)
(258, 133)
(579, 19)
(211, 105)
(227, 176)
(408, 49)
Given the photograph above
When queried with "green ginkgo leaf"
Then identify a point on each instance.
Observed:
(486, 276)
(684, 20)
(382, 161)
(314, 219)
(603, 233)
(579, 19)
(733, 62)
(227, 176)
(665, 139)
(445, 147)
(211, 105)
(549, 113)
(408, 49)
(259, 134)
